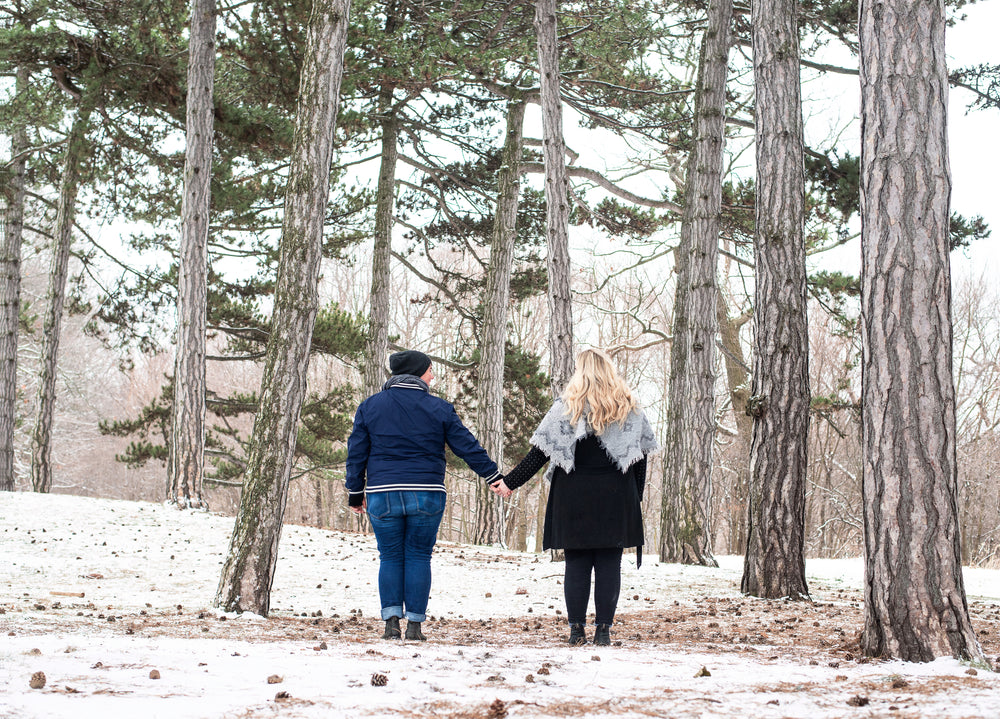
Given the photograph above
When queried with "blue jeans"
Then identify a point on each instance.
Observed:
(406, 525)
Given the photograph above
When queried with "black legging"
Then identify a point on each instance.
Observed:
(606, 565)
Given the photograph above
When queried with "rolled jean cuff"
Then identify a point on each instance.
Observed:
(390, 612)
(414, 617)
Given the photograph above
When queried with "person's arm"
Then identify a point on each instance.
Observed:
(533, 461)
(358, 448)
(467, 447)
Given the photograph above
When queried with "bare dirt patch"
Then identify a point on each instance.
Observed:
(818, 631)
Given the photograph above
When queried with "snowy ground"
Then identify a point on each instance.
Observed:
(99, 595)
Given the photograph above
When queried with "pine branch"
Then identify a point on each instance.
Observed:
(599, 179)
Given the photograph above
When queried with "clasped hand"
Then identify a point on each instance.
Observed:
(501, 489)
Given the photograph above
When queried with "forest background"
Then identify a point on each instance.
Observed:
(628, 69)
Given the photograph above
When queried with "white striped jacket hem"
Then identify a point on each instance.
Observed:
(416, 487)
(405, 488)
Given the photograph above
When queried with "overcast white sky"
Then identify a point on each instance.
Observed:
(975, 137)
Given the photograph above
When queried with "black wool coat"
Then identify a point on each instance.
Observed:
(595, 505)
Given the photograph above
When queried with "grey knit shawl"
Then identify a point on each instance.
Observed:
(625, 443)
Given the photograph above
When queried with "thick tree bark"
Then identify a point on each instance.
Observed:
(187, 446)
(556, 199)
(686, 528)
(69, 184)
(377, 349)
(378, 319)
(779, 404)
(493, 332)
(915, 603)
(675, 441)
(248, 572)
(10, 291)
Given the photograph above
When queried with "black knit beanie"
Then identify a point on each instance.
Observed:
(409, 362)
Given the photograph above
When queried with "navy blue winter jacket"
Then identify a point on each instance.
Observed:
(399, 438)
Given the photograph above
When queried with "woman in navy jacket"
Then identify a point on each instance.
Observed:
(395, 470)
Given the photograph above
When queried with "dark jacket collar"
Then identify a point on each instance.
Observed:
(406, 381)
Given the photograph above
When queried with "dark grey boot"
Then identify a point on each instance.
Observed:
(577, 636)
(602, 635)
(413, 632)
(392, 628)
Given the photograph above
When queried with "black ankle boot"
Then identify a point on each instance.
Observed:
(392, 628)
(413, 632)
(577, 637)
(602, 635)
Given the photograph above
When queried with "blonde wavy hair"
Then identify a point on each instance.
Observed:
(597, 389)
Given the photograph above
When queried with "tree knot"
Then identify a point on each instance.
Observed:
(756, 405)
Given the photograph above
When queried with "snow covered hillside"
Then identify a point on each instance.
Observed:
(111, 602)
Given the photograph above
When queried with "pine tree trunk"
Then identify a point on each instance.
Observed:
(248, 571)
(10, 291)
(915, 602)
(675, 441)
(378, 322)
(187, 446)
(69, 184)
(556, 199)
(686, 529)
(779, 404)
(493, 333)
(703, 208)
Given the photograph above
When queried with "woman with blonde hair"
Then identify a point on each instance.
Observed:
(596, 439)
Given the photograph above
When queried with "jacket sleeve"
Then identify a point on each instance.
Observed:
(358, 446)
(467, 447)
(640, 476)
(533, 461)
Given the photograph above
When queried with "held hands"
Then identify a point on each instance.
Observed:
(501, 489)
